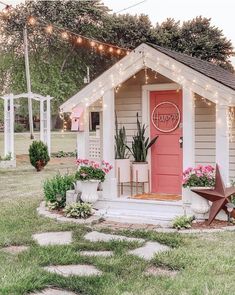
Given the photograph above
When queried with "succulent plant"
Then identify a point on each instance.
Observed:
(121, 150)
(140, 144)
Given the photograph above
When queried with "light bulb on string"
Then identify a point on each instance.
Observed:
(64, 35)
(92, 43)
(79, 40)
(32, 20)
(118, 51)
(49, 29)
(110, 49)
(101, 47)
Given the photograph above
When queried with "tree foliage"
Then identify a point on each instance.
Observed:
(58, 67)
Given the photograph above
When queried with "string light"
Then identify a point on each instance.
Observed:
(92, 43)
(49, 29)
(101, 47)
(110, 49)
(79, 40)
(64, 35)
(32, 20)
(118, 51)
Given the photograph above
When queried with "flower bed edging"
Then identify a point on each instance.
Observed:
(43, 211)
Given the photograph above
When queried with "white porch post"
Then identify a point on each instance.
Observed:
(108, 122)
(9, 126)
(42, 127)
(188, 129)
(222, 141)
(83, 137)
(48, 120)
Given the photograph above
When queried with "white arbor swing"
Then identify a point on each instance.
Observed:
(9, 120)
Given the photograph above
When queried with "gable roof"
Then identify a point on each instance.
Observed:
(201, 77)
(206, 68)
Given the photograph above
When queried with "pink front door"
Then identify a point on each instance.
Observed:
(166, 153)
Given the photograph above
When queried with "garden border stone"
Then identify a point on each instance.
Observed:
(43, 211)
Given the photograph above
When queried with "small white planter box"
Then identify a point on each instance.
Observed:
(8, 164)
(89, 191)
(71, 197)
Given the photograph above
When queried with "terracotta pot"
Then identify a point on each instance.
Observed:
(140, 171)
(122, 170)
(40, 165)
(89, 191)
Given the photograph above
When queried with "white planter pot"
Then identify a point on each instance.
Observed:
(89, 191)
(199, 205)
(140, 171)
(71, 197)
(122, 170)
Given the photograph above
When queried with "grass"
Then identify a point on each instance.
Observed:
(205, 263)
(59, 141)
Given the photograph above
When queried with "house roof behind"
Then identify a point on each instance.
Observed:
(208, 69)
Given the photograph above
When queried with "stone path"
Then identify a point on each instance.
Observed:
(53, 238)
(52, 291)
(15, 249)
(96, 253)
(73, 270)
(149, 250)
(95, 236)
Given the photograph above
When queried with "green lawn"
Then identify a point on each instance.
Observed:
(205, 263)
(59, 141)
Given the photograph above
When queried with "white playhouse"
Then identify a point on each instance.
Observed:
(188, 103)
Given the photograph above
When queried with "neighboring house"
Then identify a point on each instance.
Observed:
(180, 98)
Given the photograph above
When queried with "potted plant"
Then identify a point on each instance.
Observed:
(90, 174)
(38, 155)
(201, 177)
(122, 161)
(139, 150)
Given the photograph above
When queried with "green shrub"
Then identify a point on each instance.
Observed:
(55, 190)
(19, 128)
(38, 155)
(78, 210)
(182, 222)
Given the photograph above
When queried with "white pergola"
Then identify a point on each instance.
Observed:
(9, 119)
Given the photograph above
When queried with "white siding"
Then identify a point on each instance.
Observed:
(232, 153)
(127, 104)
(205, 116)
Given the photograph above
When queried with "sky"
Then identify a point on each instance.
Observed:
(222, 13)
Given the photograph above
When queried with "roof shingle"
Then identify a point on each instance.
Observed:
(208, 69)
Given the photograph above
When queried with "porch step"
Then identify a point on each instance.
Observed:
(139, 211)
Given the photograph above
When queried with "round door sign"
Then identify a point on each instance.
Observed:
(166, 117)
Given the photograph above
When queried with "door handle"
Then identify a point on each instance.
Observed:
(181, 142)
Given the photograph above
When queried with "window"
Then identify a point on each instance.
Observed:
(94, 120)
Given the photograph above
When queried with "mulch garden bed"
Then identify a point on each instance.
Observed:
(215, 224)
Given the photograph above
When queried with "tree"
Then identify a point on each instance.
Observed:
(58, 66)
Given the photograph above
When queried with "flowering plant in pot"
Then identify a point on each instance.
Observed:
(201, 177)
(139, 150)
(89, 175)
(122, 161)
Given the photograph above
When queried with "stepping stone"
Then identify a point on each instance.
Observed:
(149, 250)
(14, 249)
(96, 236)
(52, 291)
(53, 238)
(73, 270)
(160, 271)
(97, 253)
